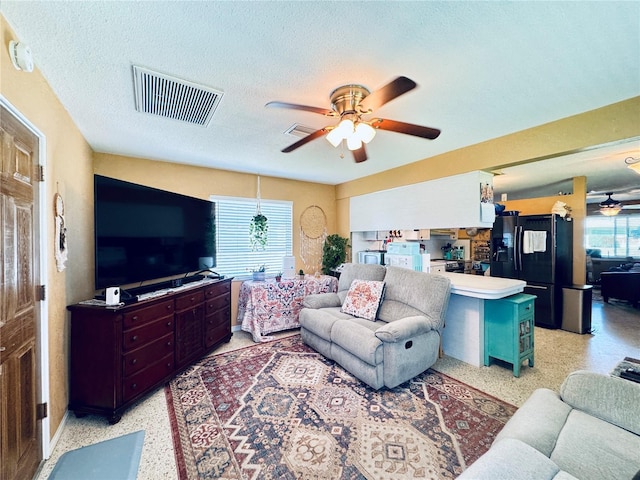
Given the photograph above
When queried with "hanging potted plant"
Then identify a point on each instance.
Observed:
(258, 227)
(334, 252)
(258, 232)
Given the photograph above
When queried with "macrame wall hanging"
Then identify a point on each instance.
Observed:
(258, 226)
(313, 232)
(60, 238)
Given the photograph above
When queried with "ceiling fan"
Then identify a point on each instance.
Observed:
(611, 207)
(350, 103)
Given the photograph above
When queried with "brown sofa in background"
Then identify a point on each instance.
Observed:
(621, 285)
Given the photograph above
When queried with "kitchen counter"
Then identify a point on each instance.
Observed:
(463, 334)
(480, 286)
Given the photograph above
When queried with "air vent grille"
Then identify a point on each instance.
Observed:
(298, 130)
(166, 96)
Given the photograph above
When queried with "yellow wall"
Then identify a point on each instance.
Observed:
(68, 170)
(70, 165)
(202, 182)
(612, 123)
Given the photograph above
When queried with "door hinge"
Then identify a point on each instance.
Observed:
(41, 293)
(40, 173)
(42, 410)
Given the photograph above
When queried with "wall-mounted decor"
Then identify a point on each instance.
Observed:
(313, 231)
(60, 237)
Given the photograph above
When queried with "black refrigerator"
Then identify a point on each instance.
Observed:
(539, 250)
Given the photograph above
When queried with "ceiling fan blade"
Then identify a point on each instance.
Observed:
(306, 108)
(305, 140)
(391, 90)
(360, 155)
(407, 128)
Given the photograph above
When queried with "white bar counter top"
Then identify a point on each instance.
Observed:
(480, 286)
(463, 334)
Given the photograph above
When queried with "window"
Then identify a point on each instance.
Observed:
(617, 236)
(233, 215)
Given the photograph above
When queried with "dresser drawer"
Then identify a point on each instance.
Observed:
(525, 309)
(140, 382)
(216, 319)
(188, 300)
(214, 304)
(140, 337)
(148, 314)
(215, 332)
(136, 360)
(217, 289)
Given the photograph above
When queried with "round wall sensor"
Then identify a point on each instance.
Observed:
(21, 56)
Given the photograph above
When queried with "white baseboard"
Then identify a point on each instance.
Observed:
(56, 437)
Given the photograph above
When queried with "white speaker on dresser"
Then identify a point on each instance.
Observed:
(112, 295)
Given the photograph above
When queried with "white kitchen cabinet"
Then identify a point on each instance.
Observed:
(438, 267)
(416, 234)
(448, 202)
(374, 235)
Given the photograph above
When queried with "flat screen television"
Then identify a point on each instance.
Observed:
(144, 234)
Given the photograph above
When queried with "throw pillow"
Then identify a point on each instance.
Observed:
(363, 299)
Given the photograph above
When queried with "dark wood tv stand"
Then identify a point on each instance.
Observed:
(120, 354)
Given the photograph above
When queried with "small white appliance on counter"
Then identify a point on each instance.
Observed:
(371, 257)
(405, 255)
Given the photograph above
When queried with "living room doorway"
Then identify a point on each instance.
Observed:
(23, 331)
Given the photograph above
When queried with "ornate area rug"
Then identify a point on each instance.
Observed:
(279, 410)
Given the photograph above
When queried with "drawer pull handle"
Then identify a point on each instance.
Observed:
(168, 324)
(135, 318)
(134, 386)
(2, 349)
(134, 338)
(134, 361)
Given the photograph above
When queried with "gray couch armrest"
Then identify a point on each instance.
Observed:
(538, 422)
(405, 328)
(321, 300)
(612, 399)
(512, 459)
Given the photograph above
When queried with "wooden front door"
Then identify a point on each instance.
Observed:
(19, 428)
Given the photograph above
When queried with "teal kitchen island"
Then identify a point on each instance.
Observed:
(463, 336)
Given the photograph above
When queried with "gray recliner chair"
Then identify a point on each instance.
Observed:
(403, 340)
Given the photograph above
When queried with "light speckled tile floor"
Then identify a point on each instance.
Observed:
(557, 353)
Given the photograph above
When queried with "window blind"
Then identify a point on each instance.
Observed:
(234, 255)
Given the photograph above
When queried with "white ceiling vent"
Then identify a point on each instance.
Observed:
(171, 97)
(298, 130)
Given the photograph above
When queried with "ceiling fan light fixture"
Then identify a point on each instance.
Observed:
(610, 207)
(334, 137)
(346, 127)
(365, 132)
(610, 211)
(354, 142)
(633, 164)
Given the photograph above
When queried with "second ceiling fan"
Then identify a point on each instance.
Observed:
(351, 103)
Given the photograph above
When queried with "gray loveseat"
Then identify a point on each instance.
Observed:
(591, 430)
(402, 341)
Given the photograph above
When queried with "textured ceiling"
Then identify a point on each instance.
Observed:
(484, 69)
